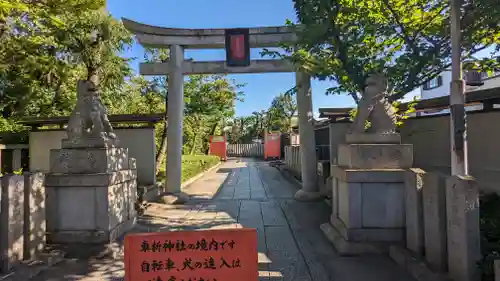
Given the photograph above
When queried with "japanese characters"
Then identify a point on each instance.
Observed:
(175, 257)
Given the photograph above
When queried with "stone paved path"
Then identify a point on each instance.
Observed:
(253, 194)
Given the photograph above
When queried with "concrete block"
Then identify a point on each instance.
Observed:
(375, 156)
(462, 212)
(350, 204)
(34, 214)
(368, 175)
(414, 183)
(88, 161)
(368, 235)
(370, 206)
(351, 248)
(76, 208)
(368, 138)
(90, 180)
(335, 197)
(11, 221)
(434, 212)
(100, 214)
(383, 205)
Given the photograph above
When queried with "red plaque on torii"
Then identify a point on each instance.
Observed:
(237, 47)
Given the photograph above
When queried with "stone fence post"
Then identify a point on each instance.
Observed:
(414, 183)
(11, 221)
(462, 212)
(34, 214)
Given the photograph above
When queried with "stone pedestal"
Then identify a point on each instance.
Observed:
(91, 190)
(368, 204)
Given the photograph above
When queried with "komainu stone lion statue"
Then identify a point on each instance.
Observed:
(89, 119)
(375, 108)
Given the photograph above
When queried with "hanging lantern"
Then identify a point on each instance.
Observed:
(237, 47)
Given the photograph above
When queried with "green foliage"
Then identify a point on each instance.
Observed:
(195, 164)
(45, 48)
(209, 102)
(278, 117)
(192, 165)
(18, 172)
(281, 112)
(408, 40)
(401, 115)
(42, 61)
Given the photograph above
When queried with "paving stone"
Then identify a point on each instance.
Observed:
(250, 194)
(241, 194)
(272, 214)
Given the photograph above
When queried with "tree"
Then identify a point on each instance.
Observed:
(209, 101)
(283, 108)
(278, 117)
(96, 45)
(159, 85)
(241, 129)
(408, 40)
(46, 48)
(43, 61)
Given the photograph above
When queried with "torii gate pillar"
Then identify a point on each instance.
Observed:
(175, 117)
(308, 160)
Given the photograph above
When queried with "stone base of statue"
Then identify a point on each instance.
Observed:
(368, 193)
(91, 191)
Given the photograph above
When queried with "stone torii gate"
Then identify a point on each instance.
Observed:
(178, 39)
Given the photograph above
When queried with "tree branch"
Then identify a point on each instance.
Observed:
(409, 41)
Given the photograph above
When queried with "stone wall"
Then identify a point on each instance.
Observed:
(430, 136)
(139, 141)
(442, 227)
(22, 218)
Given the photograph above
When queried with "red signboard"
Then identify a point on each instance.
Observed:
(218, 146)
(237, 47)
(211, 255)
(272, 146)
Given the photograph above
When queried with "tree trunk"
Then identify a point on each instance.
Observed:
(57, 94)
(289, 129)
(212, 132)
(160, 154)
(193, 147)
(92, 75)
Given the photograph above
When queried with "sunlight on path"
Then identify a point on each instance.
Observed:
(246, 193)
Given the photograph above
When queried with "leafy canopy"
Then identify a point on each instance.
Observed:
(408, 40)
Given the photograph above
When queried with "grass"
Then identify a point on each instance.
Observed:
(195, 164)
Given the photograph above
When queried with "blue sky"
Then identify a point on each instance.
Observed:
(260, 88)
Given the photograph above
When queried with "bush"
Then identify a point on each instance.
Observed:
(195, 164)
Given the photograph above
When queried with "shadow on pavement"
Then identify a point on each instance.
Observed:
(291, 245)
